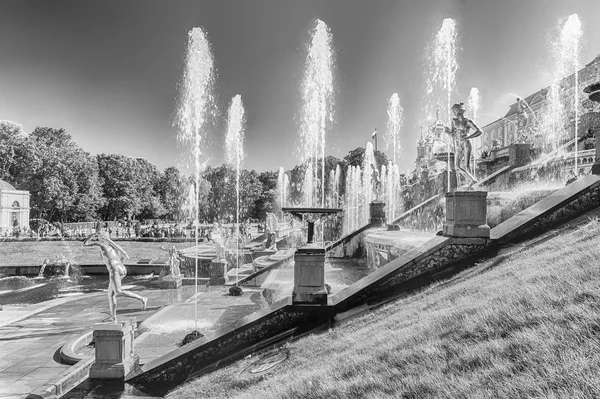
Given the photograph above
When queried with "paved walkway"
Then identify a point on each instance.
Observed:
(31, 336)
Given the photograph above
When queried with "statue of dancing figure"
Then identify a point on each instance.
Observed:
(459, 131)
(112, 255)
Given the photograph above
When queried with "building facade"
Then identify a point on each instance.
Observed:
(14, 208)
(546, 119)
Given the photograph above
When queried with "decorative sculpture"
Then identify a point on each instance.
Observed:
(217, 238)
(112, 255)
(459, 131)
(174, 261)
(375, 181)
(59, 260)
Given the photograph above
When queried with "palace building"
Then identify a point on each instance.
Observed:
(14, 208)
(546, 118)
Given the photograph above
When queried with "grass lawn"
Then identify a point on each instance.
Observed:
(34, 252)
(527, 326)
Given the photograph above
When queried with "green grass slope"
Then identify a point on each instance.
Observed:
(524, 325)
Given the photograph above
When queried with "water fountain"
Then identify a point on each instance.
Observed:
(394, 124)
(282, 187)
(194, 106)
(443, 66)
(235, 154)
(474, 106)
(317, 110)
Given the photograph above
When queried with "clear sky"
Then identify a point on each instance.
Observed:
(107, 71)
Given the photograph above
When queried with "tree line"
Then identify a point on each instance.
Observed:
(67, 184)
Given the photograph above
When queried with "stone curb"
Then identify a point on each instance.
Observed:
(67, 380)
(67, 352)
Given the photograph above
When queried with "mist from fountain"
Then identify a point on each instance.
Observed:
(234, 144)
(195, 104)
(317, 110)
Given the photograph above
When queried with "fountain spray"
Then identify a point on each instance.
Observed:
(234, 142)
(445, 66)
(394, 124)
(317, 110)
(569, 39)
(474, 105)
(194, 106)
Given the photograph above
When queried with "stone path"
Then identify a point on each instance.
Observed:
(29, 347)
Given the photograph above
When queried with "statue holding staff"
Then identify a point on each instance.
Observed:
(112, 255)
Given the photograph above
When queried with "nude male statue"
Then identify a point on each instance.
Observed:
(459, 131)
(112, 255)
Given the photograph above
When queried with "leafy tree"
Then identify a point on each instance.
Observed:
(12, 149)
(61, 178)
(148, 189)
(356, 157)
(222, 198)
(130, 187)
(267, 199)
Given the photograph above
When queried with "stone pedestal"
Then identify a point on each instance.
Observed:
(466, 215)
(115, 357)
(596, 165)
(171, 281)
(218, 270)
(377, 213)
(309, 276)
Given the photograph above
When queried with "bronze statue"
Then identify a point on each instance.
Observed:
(111, 255)
(459, 131)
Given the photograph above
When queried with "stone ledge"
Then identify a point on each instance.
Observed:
(67, 380)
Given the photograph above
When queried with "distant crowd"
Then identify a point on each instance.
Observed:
(133, 230)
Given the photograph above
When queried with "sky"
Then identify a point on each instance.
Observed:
(108, 71)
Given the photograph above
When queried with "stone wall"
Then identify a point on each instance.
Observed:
(189, 360)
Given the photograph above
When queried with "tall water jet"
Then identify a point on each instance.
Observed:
(474, 105)
(308, 184)
(194, 106)
(281, 187)
(444, 64)
(570, 38)
(565, 61)
(234, 143)
(336, 186)
(331, 189)
(317, 109)
(367, 187)
(394, 124)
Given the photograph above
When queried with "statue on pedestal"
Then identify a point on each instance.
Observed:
(459, 131)
(217, 238)
(375, 181)
(112, 255)
(174, 262)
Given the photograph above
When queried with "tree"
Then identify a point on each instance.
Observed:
(267, 199)
(130, 187)
(12, 149)
(148, 189)
(61, 178)
(356, 157)
(173, 189)
(222, 198)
